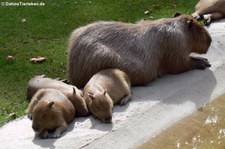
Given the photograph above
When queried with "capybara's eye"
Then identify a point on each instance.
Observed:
(44, 115)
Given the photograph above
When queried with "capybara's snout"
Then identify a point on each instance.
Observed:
(108, 119)
(209, 40)
(87, 113)
(36, 128)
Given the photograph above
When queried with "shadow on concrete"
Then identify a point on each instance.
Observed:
(199, 91)
(49, 143)
(97, 124)
(172, 89)
(44, 143)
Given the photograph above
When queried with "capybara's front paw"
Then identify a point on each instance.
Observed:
(207, 19)
(55, 135)
(196, 16)
(94, 117)
(44, 135)
(207, 22)
(125, 100)
(200, 63)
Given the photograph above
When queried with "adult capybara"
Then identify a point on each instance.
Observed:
(50, 109)
(210, 10)
(105, 89)
(71, 92)
(143, 50)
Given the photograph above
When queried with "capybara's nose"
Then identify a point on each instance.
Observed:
(87, 113)
(108, 119)
(209, 40)
(35, 128)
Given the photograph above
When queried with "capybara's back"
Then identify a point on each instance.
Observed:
(39, 82)
(143, 50)
(114, 81)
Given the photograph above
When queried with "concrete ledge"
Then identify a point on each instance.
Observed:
(153, 108)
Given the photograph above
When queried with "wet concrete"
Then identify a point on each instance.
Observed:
(205, 128)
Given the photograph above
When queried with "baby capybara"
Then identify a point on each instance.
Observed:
(71, 92)
(105, 89)
(143, 50)
(49, 110)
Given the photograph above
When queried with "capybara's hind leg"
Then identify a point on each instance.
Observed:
(100, 58)
(208, 18)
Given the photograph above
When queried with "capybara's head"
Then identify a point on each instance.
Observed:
(101, 106)
(78, 100)
(198, 38)
(43, 116)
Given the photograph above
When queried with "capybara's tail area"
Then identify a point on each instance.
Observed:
(88, 62)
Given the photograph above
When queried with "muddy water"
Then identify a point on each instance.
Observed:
(203, 129)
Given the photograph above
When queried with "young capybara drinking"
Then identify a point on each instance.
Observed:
(71, 92)
(105, 89)
(210, 10)
(144, 50)
(50, 109)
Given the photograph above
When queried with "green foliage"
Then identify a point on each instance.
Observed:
(31, 31)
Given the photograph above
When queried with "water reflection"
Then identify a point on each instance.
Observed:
(203, 129)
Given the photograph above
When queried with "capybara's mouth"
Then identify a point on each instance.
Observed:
(107, 120)
(36, 129)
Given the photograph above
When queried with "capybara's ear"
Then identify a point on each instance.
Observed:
(190, 22)
(91, 96)
(36, 99)
(29, 116)
(50, 104)
(81, 94)
(74, 91)
(105, 91)
(176, 14)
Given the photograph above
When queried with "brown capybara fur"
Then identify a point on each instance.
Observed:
(50, 109)
(105, 89)
(71, 92)
(144, 50)
(210, 10)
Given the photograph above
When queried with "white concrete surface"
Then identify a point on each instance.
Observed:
(153, 108)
